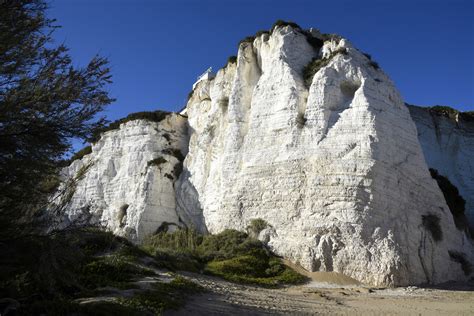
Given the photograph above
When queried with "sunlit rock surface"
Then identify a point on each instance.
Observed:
(336, 170)
(128, 178)
(334, 165)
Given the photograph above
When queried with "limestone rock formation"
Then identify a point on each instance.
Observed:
(448, 146)
(335, 169)
(308, 134)
(127, 181)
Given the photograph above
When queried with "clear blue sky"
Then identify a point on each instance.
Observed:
(157, 48)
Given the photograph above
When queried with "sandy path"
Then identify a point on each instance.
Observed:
(322, 298)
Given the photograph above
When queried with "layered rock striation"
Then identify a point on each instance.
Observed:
(334, 167)
(127, 183)
(447, 140)
(307, 133)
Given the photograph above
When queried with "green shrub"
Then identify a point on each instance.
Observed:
(374, 64)
(154, 116)
(122, 215)
(467, 116)
(231, 254)
(261, 32)
(431, 223)
(177, 170)
(187, 239)
(174, 152)
(460, 258)
(256, 270)
(227, 244)
(281, 23)
(315, 42)
(113, 270)
(256, 226)
(316, 64)
(449, 112)
(81, 153)
(455, 201)
(231, 60)
(445, 111)
(330, 37)
(156, 162)
(248, 39)
(162, 296)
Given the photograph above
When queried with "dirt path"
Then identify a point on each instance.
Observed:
(322, 298)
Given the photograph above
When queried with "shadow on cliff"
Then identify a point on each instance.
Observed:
(188, 207)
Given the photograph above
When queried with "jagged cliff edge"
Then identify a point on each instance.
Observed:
(332, 162)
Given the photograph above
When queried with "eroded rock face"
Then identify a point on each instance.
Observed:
(127, 182)
(448, 146)
(336, 169)
(333, 165)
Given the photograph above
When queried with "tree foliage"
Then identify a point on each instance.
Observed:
(45, 101)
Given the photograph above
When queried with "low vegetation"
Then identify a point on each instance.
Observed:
(174, 152)
(231, 60)
(455, 201)
(153, 116)
(467, 116)
(232, 255)
(156, 162)
(431, 223)
(58, 270)
(317, 63)
(256, 226)
(281, 23)
(247, 39)
(81, 153)
(161, 296)
(449, 112)
(315, 42)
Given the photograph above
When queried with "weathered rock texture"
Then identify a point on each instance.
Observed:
(127, 182)
(334, 166)
(448, 146)
(336, 170)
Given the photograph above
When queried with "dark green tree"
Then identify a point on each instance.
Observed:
(44, 103)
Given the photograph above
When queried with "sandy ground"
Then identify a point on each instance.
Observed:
(326, 294)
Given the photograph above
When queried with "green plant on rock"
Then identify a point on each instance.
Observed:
(374, 64)
(255, 226)
(152, 116)
(156, 162)
(246, 40)
(317, 63)
(261, 32)
(281, 23)
(467, 116)
(81, 153)
(231, 60)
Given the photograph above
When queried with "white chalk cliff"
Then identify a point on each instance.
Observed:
(448, 145)
(335, 167)
(127, 180)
